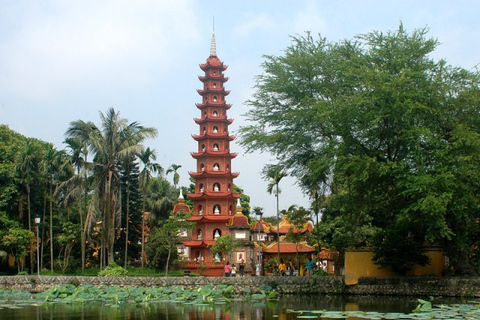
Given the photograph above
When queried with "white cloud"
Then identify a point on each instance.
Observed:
(253, 23)
(309, 18)
(115, 45)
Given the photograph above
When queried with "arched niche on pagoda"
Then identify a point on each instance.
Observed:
(200, 187)
(216, 167)
(215, 114)
(215, 129)
(215, 147)
(217, 233)
(200, 209)
(216, 187)
(217, 209)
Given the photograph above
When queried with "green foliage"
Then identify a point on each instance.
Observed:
(320, 273)
(163, 240)
(113, 270)
(387, 132)
(270, 265)
(18, 242)
(225, 244)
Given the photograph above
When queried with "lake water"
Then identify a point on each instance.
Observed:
(281, 309)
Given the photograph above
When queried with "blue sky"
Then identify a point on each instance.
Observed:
(62, 61)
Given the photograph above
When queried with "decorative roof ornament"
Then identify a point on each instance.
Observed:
(180, 197)
(239, 206)
(213, 46)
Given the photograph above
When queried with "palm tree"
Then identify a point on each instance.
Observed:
(275, 173)
(145, 178)
(160, 199)
(78, 185)
(176, 177)
(25, 171)
(109, 144)
(56, 167)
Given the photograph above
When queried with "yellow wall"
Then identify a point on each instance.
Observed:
(359, 264)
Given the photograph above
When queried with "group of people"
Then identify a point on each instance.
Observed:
(231, 271)
(287, 269)
(282, 269)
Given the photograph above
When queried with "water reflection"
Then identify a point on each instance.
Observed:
(236, 310)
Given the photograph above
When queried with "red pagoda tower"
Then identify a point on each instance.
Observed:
(213, 199)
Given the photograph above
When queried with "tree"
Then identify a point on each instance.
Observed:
(78, 187)
(166, 236)
(115, 139)
(149, 167)
(275, 173)
(176, 177)
(55, 168)
(298, 217)
(18, 242)
(225, 244)
(67, 239)
(393, 132)
(160, 199)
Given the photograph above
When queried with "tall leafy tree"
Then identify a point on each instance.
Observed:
(77, 188)
(108, 144)
(298, 217)
(166, 236)
(274, 174)
(26, 169)
(147, 158)
(395, 131)
(56, 168)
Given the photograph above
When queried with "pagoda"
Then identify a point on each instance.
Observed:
(213, 198)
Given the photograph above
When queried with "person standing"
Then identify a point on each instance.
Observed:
(233, 270)
(310, 265)
(282, 268)
(241, 268)
(227, 269)
(258, 269)
(289, 268)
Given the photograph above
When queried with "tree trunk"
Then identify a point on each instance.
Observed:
(29, 226)
(126, 223)
(168, 262)
(143, 234)
(51, 232)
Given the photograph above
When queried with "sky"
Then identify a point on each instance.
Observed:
(62, 61)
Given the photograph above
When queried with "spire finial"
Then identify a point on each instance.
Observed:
(213, 45)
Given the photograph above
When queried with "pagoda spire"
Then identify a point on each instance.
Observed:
(213, 46)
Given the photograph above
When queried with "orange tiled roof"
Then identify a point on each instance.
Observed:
(285, 226)
(238, 220)
(288, 247)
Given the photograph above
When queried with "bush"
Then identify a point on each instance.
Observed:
(113, 270)
(320, 272)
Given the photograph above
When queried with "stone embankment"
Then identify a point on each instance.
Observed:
(393, 286)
